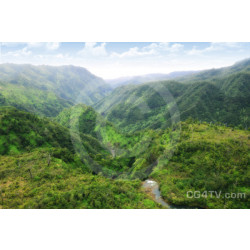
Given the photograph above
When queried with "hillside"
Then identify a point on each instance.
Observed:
(70, 83)
(46, 165)
(216, 74)
(130, 159)
(206, 158)
(41, 102)
(186, 135)
(41, 168)
(28, 182)
(158, 104)
(183, 76)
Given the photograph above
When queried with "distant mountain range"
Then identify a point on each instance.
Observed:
(148, 78)
(217, 95)
(189, 132)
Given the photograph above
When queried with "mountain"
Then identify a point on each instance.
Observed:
(28, 183)
(46, 90)
(188, 135)
(37, 101)
(159, 104)
(126, 149)
(79, 118)
(147, 78)
(22, 131)
(183, 76)
(42, 166)
(206, 159)
(216, 74)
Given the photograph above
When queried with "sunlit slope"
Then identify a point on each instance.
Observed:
(160, 104)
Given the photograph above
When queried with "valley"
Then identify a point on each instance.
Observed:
(71, 140)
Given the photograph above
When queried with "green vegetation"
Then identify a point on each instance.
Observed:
(41, 102)
(190, 135)
(133, 154)
(216, 74)
(79, 117)
(207, 158)
(40, 169)
(223, 99)
(22, 131)
(28, 182)
(187, 157)
(46, 90)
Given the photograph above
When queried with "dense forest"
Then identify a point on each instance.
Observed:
(212, 96)
(69, 141)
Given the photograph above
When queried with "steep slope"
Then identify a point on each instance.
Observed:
(41, 102)
(192, 156)
(22, 131)
(216, 74)
(158, 104)
(28, 182)
(133, 154)
(40, 167)
(142, 106)
(80, 118)
(209, 168)
(72, 83)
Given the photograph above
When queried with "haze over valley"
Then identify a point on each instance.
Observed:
(71, 139)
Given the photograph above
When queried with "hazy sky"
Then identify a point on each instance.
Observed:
(111, 60)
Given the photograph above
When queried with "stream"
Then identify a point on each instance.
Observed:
(152, 187)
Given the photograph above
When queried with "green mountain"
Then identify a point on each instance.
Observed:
(188, 135)
(43, 103)
(206, 158)
(79, 118)
(186, 157)
(159, 104)
(28, 182)
(124, 148)
(215, 74)
(23, 131)
(47, 90)
(43, 164)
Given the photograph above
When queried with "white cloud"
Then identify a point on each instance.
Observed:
(48, 46)
(59, 56)
(152, 49)
(11, 44)
(93, 49)
(18, 53)
(213, 47)
(30, 46)
(176, 47)
(134, 52)
(35, 45)
(52, 46)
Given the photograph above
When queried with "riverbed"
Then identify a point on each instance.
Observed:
(152, 187)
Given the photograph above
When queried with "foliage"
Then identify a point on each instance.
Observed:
(63, 185)
(207, 158)
(191, 135)
(157, 104)
(38, 101)
(47, 90)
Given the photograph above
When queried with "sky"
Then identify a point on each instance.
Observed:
(114, 60)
